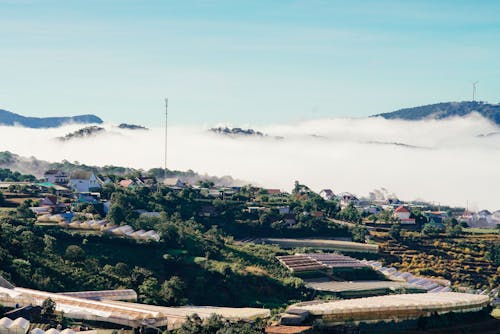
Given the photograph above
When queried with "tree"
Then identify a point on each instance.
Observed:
(172, 291)
(2, 198)
(453, 231)
(74, 253)
(430, 231)
(395, 231)
(359, 233)
(148, 291)
(24, 211)
(48, 309)
(116, 214)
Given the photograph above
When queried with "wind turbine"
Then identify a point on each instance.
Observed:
(474, 84)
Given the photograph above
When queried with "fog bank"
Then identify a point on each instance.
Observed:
(446, 161)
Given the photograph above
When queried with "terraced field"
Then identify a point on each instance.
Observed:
(327, 244)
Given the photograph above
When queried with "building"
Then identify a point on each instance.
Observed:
(403, 214)
(127, 183)
(284, 210)
(273, 192)
(56, 176)
(327, 194)
(347, 199)
(84, 182)
(174, 182)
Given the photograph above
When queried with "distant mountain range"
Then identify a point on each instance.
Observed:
(445, 110)
(10, 119)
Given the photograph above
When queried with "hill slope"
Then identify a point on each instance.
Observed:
(10, 118)
(445, 110)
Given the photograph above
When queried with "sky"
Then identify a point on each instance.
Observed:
(243, 63)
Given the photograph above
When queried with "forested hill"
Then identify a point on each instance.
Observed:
(10, 119)
(445, 110)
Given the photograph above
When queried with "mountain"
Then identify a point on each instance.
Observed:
(236, 132)
(445, 110)
(132, 127)
(83, 133)
(10, 119)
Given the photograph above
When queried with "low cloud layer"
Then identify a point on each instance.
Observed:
(445, 161)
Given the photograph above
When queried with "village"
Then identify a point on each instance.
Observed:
(337, 245)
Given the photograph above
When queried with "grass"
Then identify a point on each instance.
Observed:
(475, 230)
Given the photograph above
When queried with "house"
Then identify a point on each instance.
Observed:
(207, 211)
(283, 210)
(174, 182)
(255, 209)
(289, 219)
(49, 200)
(437, 216)
(327, 194)
(84, 182)
(273, 192)
(127, 183)
(56, 176)
(317, 214)
(346, 199)
(403, 214)
(372, 209)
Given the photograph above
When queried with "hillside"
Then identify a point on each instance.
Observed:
(445, 110)
(10, 119)
(36, 167)
(87, 131)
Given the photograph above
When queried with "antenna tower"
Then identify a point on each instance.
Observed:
(474, 85)
(166, 139)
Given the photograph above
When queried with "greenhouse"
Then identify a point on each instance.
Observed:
(122, 313)
(319, 261)
(18, 326)
(391, 307)
(125, 294)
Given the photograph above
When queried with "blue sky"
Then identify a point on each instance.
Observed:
(243, 62)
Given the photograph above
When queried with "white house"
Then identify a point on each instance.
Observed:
(174, 182)
(327, 194)
(56, 176)
(403, 214)
(84, 182)
(346, 199)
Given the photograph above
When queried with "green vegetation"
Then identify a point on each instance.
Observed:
(216, 325)
(190, 265)
(9, 176)
(447, 109)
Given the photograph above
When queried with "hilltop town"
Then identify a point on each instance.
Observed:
(165, 240)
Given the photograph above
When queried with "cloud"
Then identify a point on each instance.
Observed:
(443, 161)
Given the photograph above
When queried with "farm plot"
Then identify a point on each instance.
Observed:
(327, 244)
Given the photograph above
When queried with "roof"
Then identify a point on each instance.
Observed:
(54, 172)
(52, 185)
(401, 209)
(401, 302)
(81, 175)
(273, 191)
(126, 183)
(287, 329)
(172, 181)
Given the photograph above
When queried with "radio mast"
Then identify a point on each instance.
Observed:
(166, 139)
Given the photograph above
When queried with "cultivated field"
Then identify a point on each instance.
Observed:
(360, 286)
(327, 244)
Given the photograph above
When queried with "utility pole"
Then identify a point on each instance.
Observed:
(165, 148)
(166, 138)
